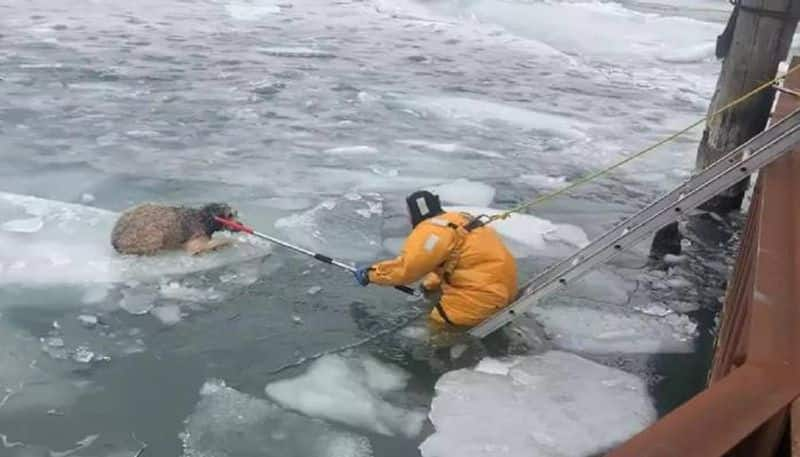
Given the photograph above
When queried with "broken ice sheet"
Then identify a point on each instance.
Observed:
(350, 391)
(30, 225)
(88, 320)
(314, 290)
(551, 405)
(137, 301)
(228, 423)
(83, 355)
(167, 314)
(46, 242)
(585, 329)
(174, 290)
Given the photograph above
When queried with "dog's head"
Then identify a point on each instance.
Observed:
(212, 210)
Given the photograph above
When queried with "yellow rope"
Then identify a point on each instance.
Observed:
(592, 176)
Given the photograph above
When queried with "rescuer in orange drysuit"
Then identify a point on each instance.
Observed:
(473, 270)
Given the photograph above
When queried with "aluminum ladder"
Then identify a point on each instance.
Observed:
(743, 161)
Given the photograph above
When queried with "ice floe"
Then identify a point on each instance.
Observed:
(350, 391)
(590, 330)
(465, 192)
(48, 242)
(530, 231)
(551, 405)
(229, 423)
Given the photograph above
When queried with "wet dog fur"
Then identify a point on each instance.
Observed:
(150, 228)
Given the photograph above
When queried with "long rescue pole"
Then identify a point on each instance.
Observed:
(239, 227)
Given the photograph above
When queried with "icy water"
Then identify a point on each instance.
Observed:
(315, 119)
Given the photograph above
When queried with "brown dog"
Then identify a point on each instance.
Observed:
(149, 228)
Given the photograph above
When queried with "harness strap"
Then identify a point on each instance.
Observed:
(440, 309)
(450, 263)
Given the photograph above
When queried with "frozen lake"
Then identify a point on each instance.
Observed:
(315, 119)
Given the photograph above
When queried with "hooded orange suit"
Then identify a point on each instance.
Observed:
(475, 271)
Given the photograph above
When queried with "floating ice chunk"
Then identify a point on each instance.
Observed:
(473, 110)
(551, 405)
(352, 150)
(464, 192)
(604, 286)
(88, 320)
(29, 225)
(495, 366)
(602, 332)
(82, 354)
(381, 377)
(457, 351)
(683, 306)
(653, 309)
(53, 342)
(335, 228)
(226, 422)
(87, 198)
(349, 391)
(297, 319)
(297, 52)
(679, 283)
(415, 333)
(177, 291)
(251, 10)
(137, 301)
(23, 384)
(314, 290)
(244, 274)
(95, 294)
(72, 246)
(168, 314)
(529, 230)
(545, 183)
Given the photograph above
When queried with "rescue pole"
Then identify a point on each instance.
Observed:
(236, 226)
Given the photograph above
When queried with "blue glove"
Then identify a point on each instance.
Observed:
(362, 275)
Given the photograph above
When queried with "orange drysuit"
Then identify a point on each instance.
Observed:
(475, 271)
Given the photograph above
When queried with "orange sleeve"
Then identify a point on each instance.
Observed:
(424, 250)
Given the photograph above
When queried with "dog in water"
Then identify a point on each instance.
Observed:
(149, 228)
